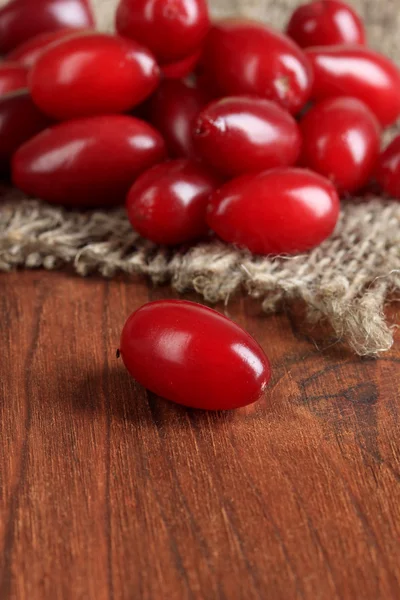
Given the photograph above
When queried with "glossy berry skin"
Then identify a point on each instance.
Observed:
(28, 53)
(66, 82)
(21, 20)
(241, 134)
(247, 57)
(171, 29)
(360, 72)
(87, 162)
(12, 77)
(182, 68)
(326, 23)
(194, 356)
(279, 211)
(168, 203)
(173, 110)
(341, 140)
(388, 170)
(20, 120)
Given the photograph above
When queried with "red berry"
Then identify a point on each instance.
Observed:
(171, 29)
(87, 162)
(12, 77)
(192, 355)
(238, 135)
(326, 23)
(168, 203)
(173, 109)
(20, 120)
(388, 171)
(87, 75)
(359, 72)
(21, 20)
(27, 54)
(278, 211)
(341, 140)
(246, 57)
(182, 68)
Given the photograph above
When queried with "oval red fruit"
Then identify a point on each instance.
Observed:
(325, 23)
(12, 77)
(279, 211)
(168, 203)
(388, 171)
(359, 72)
(21, 20)
(27, 54)
(20, 120)
(173, 109)
(194, 356)
(247, 57)
(240, 134)
(87, 162)
(182, 68)
(66, 82)
(171, 29)
(341, 140)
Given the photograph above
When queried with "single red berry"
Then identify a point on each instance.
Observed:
(87, 162)
(28, 53)
(194, 356)
(66, 82)
(21, 20)
(341, 140)
(280, 211)
(20, 120)
(360, 72)
(12, 77)
(326, 23)
(168, 203)
(173, 109)
(247, 57)
(242, 134)
(171, 29)
(182, 68)
(388, 171)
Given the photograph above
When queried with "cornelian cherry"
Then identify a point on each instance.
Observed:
(168, 203)
(21, 20)
(341, 140)
(238, 135)
(357, 71)
(171, 29)
(87, 162)
(279, 211)
(27, 54)
(326, 23)
(173, 109)
(20, 120)
(388, 170)
(194, 356)
(66, 82)
(182, 68)
(12, 77)
(247, 57)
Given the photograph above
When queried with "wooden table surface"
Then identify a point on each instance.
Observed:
(107, 492)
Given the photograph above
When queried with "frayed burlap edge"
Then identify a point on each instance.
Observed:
(346, 280)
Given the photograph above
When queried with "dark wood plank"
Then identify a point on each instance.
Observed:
(107, 492)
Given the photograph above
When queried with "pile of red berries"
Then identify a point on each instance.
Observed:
(266, 129)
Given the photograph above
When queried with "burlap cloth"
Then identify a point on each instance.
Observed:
(346, 280)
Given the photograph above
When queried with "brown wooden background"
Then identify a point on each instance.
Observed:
(109, 493)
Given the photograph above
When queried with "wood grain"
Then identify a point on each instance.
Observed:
(107, 492)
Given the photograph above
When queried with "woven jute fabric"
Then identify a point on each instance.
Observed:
(346, 281)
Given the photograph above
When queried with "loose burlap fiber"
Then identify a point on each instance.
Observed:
(346, 280)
